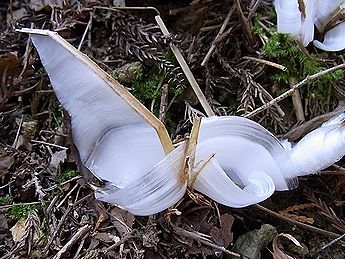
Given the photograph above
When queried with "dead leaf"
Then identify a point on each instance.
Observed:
(9, 62)
(250, 244)
(102, 214)
(57, 158)
(107, 238)
(6, 161)
(122, 220)
(38, 5)
(18, 230)
(277, 252)
(223, 236)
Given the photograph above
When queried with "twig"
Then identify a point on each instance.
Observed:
(269, 96)
(7, 184)
(51, 205)
(164, 102)
(266, 62)
(253, 9)
(297, 102)
(80, 233)
(210, 28)
(186, 69)
(221, 30)
(85, 31)
(53, 236)
(18, 132)
(49, 144)
(331, 243)
(76, 255)
(296, 132)
(305, 81)
(71, 180)
(6, 207)
(300, 224)
(113, 246)
(248, 34)
(134, 8)
(67, 195)
(199, 237)
(54, 133)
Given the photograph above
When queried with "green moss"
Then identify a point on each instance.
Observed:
(67, 174)
(283, 49)
(22, 211)
(5, 199)
(257, 29)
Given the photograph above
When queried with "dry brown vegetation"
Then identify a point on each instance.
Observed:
(47, 209)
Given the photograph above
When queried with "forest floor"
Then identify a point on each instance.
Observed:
(47, 209)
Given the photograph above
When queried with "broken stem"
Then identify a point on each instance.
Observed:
(305, 81)
(214, 43)
(186, 69)
(297, 101)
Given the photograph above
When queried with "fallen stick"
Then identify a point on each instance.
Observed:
(186, 69)
(305, 81)
(80, 234)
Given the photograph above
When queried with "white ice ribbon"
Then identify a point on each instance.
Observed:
(297, 17)
(122, 143)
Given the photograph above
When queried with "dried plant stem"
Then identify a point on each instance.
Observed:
(253, 8)
(214, 44)
(248, 34)
(266, 62)
(127, 236)
(18, 132)
(6, 207)
(53, 236)
(300, 224)
(163, 103)
(80, 234)
(186, 69)
(202, 239)
(85, 31)
(48, 144)
(297, 101)
(332, 243)
(134, 8)
(305, 81)
(67, 195)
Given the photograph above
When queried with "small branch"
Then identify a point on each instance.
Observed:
(80, 234)
(53, 236)
(266, 62)
(300, 224)
(6, 207)
(297, 101)
(18, 132)
(248, 34)
(48, 144)
(164, 103)
(134, 8)
(253, 9)
(202, 239)
(85, 31)
(186, 69)
(67, 195)
(221, 30)
(331, 243)
(127, 236)
(305, 81)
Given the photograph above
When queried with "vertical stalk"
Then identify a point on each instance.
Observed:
(296, 101)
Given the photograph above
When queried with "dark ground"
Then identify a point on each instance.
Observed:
(46, 207)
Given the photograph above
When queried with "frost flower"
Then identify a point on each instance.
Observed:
(231, 159)
(298, 17)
